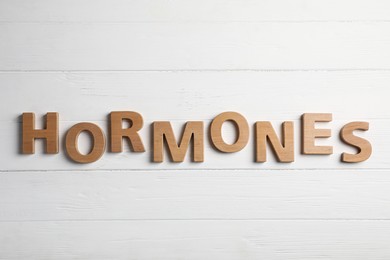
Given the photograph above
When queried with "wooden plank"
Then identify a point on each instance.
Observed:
(230, 240)
(183, 195)
(185, 96)
(12, 159)
(199, 10)
(195, 46)
(194, 96)
(181, 61)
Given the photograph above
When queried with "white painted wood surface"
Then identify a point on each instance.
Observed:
(195, 46)
(191, 60)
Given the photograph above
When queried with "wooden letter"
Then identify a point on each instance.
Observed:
(309, 133)
(363, 146)
(284, 152)
(242, 132)
(193, 130)
(118, 133)
(50, 133)
(99, 143)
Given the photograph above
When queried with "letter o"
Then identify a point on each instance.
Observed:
(242, 132)
(99, 143)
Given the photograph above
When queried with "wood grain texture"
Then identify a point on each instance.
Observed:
(187, 96)
(364, 148)
(182, 61)
(213, 159)
(283, 148)
(49, 133)
(241, 127)
(199, 46)
(201, 10)
(231, 240)
(192, 95)
(310, 133)
(194, 195)
(118, 133)
(193, 132)
(97, 148)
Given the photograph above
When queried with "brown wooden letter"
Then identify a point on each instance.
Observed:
(309, 133)
(163, 130)
(284, 151)
(363, 146)
(131, 133)
(49, 133)
(242, 132)
(98, 146)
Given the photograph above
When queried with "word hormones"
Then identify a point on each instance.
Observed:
(193, 133)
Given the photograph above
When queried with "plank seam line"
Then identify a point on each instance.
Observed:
(178, 21)
(198, 219)
(199, 70)
(193, 169)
